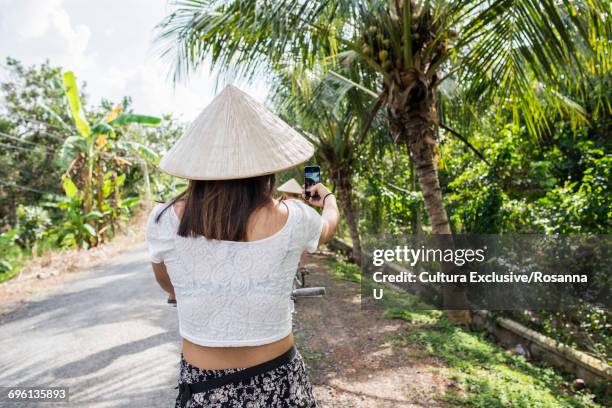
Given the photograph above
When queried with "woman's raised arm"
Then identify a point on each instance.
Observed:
(330, 215)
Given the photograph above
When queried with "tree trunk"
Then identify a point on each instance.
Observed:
(115, 204)
(412, 120)
(88, 194)
(417, 225)
(147, 181)
(88, 182)
(100, 199)
(342, 180)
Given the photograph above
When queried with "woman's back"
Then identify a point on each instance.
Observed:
(231, 293)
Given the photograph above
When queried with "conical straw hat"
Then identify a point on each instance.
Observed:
(235, 137)
(290, 186)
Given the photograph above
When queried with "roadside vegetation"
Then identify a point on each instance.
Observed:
(71, 174)
(487, 375)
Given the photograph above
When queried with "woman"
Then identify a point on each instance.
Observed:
(229, 252)
(290, 189)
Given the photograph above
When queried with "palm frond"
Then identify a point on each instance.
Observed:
(508, 46)
(248, 35)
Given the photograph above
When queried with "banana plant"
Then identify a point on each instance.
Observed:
(76, 228)
(88, 150)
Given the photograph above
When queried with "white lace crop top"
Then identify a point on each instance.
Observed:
(231, 293)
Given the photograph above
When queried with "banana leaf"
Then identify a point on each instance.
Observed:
(56, 119)
(107, 187)
(71, 147)
(74, 101)
(132, 118)
(120, 180)
(70, 188)
(89, 229)
(129, 202)
(142, 149)
(94, 215)
(103, 128)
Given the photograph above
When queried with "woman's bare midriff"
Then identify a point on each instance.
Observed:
(219, 358)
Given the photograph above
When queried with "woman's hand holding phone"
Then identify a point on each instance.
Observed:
(330, 214)
(319, 191)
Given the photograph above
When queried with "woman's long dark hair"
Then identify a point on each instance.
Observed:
(220, 209)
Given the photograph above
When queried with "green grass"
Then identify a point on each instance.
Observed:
(490, 376)
(487, 375)
(8, 275)
(12, 259)
(342, 269)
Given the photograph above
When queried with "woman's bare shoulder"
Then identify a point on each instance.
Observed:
(273, 213)
(179, 208)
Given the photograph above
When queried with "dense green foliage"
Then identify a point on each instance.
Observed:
(63, 182)
(512, 103)
(28, 136)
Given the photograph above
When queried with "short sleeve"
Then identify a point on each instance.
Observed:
(314, 227)
(159, 238)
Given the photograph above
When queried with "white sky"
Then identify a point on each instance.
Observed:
(109, 45)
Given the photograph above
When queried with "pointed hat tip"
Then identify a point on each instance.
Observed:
(233, 90)
(231, 87)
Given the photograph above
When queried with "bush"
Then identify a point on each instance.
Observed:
(11, 255)
(32, 223)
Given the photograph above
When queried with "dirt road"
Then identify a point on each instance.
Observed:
(352, 357)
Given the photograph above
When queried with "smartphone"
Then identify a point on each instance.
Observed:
(312, 176)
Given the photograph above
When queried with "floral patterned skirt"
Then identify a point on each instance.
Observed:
(284, 386)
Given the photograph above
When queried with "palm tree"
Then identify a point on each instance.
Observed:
(332, 120)
(505, 51)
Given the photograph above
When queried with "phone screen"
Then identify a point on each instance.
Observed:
(312, 176)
